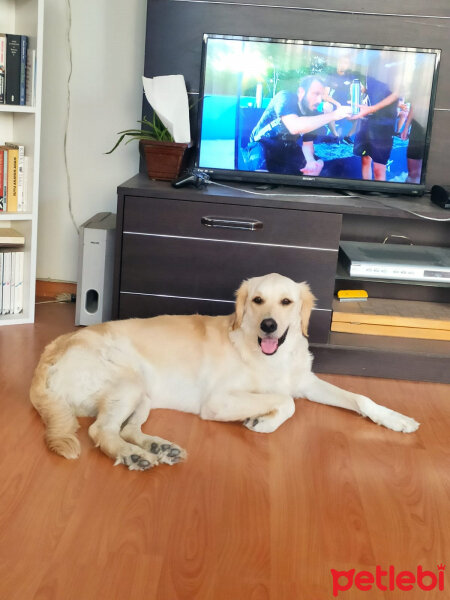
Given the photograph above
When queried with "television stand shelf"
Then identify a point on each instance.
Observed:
(169, 261)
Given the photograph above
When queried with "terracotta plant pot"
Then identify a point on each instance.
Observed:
(164, 160)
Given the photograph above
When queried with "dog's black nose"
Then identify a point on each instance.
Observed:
(268, 325)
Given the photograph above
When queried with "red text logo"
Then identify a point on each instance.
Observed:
(388, 579)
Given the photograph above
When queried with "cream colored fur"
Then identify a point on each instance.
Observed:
(211, 366)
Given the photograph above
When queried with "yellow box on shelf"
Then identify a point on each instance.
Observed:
(352, 295)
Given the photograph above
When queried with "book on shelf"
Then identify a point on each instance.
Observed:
(2, 67)
(12, 285)
(23, 68)
(14, 66)
(11, 278)
(26, 169)
(13, 62)
(18, 282)
(4, 151)
(20, 173)
(11, 237)
(1, 283)
(12, 179)
(6, 283)
(395, 318)
(30, 75)
(3, 207)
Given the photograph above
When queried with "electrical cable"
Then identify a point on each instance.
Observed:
(66, 128)
(258, 193)
(412, 212)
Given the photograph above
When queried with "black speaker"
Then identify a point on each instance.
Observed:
(440, 195)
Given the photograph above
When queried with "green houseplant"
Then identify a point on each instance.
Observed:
(163, 157)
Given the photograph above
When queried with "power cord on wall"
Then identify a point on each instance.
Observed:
(66, 129)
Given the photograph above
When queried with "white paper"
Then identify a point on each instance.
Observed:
(168, 97)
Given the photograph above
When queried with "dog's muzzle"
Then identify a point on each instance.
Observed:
(270, 344)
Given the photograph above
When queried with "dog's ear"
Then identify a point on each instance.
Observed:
(241, 299)
(307, 302)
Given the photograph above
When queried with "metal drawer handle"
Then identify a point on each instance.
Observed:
(227, 223)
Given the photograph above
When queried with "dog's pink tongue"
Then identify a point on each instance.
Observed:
(269, 345)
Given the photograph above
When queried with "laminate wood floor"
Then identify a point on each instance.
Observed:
(247, 517)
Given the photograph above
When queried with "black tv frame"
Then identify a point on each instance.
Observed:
(359, 185)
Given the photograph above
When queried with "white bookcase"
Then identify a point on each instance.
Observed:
(22, 125)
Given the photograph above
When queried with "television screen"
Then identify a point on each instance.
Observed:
(324, 114)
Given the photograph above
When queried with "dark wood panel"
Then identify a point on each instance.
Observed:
(288, 197)
(394, 8)
(117, 256)
(187, 22)
(289, 227)
(437, 169)
(376, 229)
(141, 306)
(362, 358)
(203, 269)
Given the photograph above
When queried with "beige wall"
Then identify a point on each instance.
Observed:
(108, 38)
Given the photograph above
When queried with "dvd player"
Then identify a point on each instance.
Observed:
(395, 261)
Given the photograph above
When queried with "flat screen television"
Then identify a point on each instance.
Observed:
(330, 115)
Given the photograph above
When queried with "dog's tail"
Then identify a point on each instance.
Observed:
(59, 418)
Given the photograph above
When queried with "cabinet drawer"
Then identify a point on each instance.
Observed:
(142, 305)
(213, 269)
(245, 224)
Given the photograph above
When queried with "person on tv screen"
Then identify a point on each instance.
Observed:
(413, 129)
(374, 137)
(338, 93)
(283, 139)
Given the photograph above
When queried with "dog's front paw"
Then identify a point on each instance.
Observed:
(262, 424)
(393, 420)
(385, 416)
(272, 420)
(398, 422)
(166, 452)
(137, 462)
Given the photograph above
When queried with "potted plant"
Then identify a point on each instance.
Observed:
(163, 157)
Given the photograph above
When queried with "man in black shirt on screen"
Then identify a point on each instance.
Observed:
(283, 139)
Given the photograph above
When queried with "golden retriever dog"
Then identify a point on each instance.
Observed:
(248, 366)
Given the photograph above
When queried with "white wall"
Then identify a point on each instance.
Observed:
(107, 39)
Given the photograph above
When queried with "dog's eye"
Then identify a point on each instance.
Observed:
(258, 300)
(286, 301)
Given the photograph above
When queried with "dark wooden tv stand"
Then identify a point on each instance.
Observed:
(186, 250)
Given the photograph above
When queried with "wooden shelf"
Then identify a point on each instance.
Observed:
(13, 108)
(15, 216)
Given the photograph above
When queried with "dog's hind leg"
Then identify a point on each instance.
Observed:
(115, 408)
(165, 451)
(57, 414)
